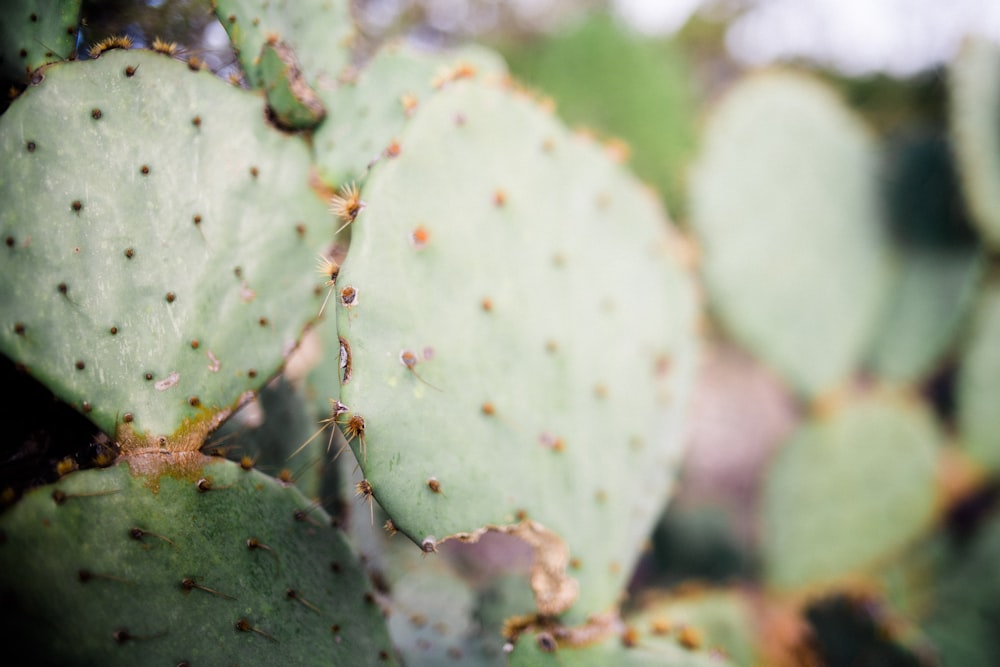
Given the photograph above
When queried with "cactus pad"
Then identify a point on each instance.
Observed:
(164, 255)
(241, 570)
(974, 91)
(519, 341)
(722, 619)
(796, 273)
(878, 451)
(931, 298)
(292, 103)
(979, 381)
(630, 648)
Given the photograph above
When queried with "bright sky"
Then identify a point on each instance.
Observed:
(900, 37)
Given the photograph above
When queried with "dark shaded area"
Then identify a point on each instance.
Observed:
(940, 391)
(965, 517)
(190, 25)
(849, 632)
(692, 545)
(42, 435)
(180, 21)
(922, 190)
(888, 102)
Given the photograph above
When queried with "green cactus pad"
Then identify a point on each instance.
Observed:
(535, 650)
(877, 454)
(521, 337)
(371, 110)
(785, 201)
(433, 620)
(721, 618)
(161, 262)
(34, 33)
(318, 32)
(963, 597)
(932, 295)
(96, 569)
(292, 103)
(979, 381)
(974, 94)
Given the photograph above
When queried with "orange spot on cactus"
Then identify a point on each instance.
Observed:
(419, 237)
(409, 103)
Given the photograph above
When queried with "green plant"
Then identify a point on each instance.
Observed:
(160, 284)
(370, 359)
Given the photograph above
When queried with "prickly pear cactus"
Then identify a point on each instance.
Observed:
(164, 254)
(931, 297)
(979, 380)
(719, 620)
(880, 451)
(974, 93)
(628, 649)
(964, 593)
(518, 341)
(292, 103)
(813, 257)
(95, 570)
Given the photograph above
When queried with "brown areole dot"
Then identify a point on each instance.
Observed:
(96, 114)
(170, 297)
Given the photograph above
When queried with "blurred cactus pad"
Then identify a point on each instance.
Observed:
(335, 339)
